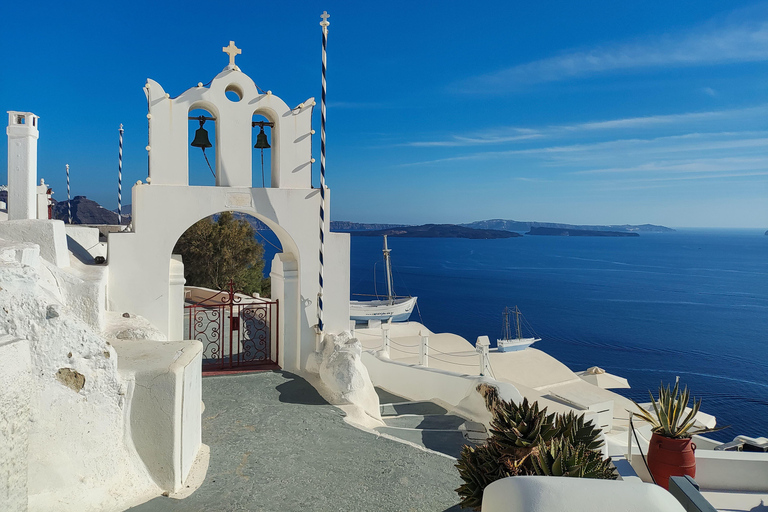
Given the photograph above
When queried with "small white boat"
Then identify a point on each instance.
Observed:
(398, 309)
(508, 343)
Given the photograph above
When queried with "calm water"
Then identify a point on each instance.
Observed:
(692, 304)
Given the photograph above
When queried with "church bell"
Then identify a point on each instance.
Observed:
(261, 140)
(201, 137)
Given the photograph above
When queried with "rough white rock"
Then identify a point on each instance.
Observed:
(344, 375)
(132, 327)
(77, 455)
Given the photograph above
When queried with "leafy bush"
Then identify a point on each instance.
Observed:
(213, 252)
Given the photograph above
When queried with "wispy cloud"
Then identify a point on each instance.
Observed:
(740, 42)
(486, 137)
(692, 147)
(701, 165)
(671, 119)
(502, 135)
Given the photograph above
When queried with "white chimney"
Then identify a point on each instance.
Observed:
(22, 165)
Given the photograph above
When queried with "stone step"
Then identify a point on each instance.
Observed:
(448, 442)
(416, 408)
(421, 422)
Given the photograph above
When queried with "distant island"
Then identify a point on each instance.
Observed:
(523, 226)
(87, 211)
(577, 232)
(438, 231)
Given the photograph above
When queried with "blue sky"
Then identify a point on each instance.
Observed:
(584, 112)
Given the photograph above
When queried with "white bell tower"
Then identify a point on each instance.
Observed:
(22, 165)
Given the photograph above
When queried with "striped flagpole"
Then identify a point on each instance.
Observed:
(323, 24)
(69, 200)
(120, 180)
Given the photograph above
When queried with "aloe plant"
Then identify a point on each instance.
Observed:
(479, 467)
(560, 458)
(521, 426)
(525, 440)
(669, 418)
(578, 431)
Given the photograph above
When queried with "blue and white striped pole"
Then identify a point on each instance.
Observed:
(323, 24)
(69, 200)
(120, 181)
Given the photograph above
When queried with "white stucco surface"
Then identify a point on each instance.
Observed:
(48, 234)
(721, 470)
(564, 494)
(456, 391)
(15, 415)
(83, 242)
(164, 390)
(132, 327)
(534, 374)
(77, 456)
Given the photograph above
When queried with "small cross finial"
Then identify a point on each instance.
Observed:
(325, 21)
(232, 51)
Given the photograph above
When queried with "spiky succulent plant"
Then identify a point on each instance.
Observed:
(561, 458)
(578, 431)
(480, 466)
(521, 426)
(668, 417)
(527, 441)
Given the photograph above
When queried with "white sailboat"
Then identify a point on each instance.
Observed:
(508, 343)
(398, 309)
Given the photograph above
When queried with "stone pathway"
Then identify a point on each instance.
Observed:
(428, 424)
(276, 445)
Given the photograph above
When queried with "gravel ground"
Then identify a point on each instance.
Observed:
(276, 445)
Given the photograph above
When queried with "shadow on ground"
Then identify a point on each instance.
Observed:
(296, 390)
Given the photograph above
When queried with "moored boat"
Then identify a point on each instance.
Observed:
(398, 309)
(507, 343)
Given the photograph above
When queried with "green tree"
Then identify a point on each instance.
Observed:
(214, 252)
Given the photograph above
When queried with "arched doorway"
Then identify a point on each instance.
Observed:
(228, 304)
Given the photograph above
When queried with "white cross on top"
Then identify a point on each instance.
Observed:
(232, 50)
(325, 17)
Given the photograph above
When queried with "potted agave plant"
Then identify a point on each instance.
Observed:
(671, 450)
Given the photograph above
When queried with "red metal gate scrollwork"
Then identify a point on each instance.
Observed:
(237, 331)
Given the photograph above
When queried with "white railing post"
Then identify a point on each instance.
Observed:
(318, 339)
(352, 325)
(385, 337)
(482, 345)
(424, 352)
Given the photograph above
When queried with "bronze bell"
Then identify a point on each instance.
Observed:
(201, 137)
(261, 140)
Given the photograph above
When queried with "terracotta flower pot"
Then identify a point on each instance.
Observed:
(671, 457)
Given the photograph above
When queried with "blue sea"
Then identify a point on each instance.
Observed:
(693, 304)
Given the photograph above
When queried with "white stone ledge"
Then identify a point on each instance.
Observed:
(48, 234)
(567, 494)
(164, 397)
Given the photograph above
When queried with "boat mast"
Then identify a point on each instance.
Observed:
(517, 318)
(387, 264)
(507, 334)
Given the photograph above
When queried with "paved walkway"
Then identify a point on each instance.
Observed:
(276, 446)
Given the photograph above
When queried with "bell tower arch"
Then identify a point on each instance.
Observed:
(163, 208)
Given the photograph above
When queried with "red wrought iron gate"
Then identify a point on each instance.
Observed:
(237, 331)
